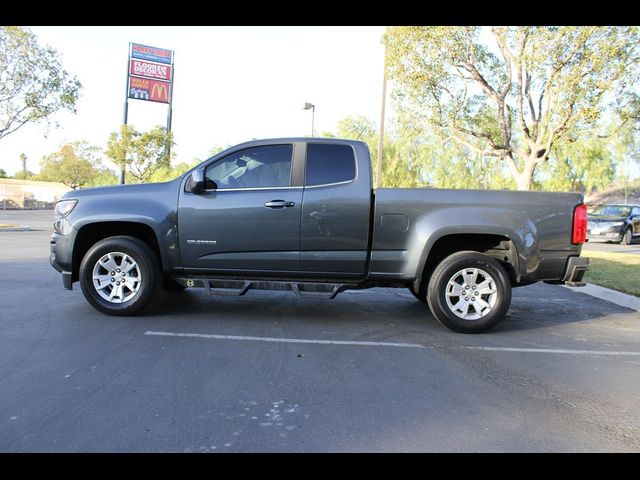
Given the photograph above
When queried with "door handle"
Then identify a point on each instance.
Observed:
(279, 204)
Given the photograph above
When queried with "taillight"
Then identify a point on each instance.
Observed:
(579, 224)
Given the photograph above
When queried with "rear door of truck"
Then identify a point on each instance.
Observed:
(334, 233)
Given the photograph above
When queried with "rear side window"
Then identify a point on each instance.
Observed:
(327, 163)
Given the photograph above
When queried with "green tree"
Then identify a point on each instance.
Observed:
(104, 176)
(3, 174)
(143, 152)
(33, 84)
(627, 147)
(165, 174)
(515, 98)
(581, 165)
(22, 175)
(75, 164)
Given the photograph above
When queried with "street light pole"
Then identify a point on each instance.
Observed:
(312, 107)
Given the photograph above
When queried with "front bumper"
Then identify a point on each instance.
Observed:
(575, 270)
(61, 256)
(605, 237)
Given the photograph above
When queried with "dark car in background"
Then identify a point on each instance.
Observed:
(614, 223)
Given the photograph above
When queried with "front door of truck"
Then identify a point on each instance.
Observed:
(248, 217)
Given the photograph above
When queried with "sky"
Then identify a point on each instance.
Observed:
(232, 84)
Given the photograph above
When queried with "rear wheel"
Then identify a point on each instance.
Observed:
(119, 275)
(469, 292)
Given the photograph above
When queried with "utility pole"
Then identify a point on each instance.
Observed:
(381, 139)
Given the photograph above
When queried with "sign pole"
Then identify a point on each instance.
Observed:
(126, 109)
(170, 112)
(150, 78)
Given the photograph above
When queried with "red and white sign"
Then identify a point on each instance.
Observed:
(151, 90)
(146, 69)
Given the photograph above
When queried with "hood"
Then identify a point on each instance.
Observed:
(607, 218)
(143, 188)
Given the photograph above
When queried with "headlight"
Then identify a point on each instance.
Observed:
(64, 208)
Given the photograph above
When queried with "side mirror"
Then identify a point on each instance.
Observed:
(195, 184)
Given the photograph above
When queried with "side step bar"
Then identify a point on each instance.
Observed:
(219, 286)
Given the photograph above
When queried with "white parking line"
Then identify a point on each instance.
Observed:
(556, 350)
(389, 344)
(537, 300)
(285, 340)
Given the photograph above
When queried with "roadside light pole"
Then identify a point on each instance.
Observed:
(312, 107)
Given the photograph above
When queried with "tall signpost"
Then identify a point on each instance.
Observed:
(150, 74)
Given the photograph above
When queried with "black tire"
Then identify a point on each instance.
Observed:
(148, 265)
(169, 285)
(446, 270)
(422, 294)
(627, 238)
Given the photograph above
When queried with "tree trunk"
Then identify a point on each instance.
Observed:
(523, 182)
(524, 179)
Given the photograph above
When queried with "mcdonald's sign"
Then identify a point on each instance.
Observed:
(151, 90)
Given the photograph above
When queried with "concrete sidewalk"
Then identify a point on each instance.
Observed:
(613, 296)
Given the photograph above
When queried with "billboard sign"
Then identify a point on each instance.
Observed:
(142, 68)
(153, 54)
(147, 89)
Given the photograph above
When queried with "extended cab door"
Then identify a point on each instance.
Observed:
(334, 234)
(248, 218)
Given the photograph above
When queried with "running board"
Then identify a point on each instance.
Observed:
(219, 286)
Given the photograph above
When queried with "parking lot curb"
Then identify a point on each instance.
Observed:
(613, 296)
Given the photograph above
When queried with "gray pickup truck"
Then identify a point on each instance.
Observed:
(301, 214)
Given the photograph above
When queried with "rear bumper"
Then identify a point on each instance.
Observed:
(575, 270)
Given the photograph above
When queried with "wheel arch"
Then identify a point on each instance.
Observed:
(497, 245)
(91, 233)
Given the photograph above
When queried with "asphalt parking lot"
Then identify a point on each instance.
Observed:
(367, 371)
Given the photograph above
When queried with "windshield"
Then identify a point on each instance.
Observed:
(612, 211)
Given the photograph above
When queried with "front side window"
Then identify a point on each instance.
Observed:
(329, 163)
(266, 166)
(635, 211)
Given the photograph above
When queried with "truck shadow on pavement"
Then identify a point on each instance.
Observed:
(532, 307)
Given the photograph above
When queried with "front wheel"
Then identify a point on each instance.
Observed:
(469, 292)
(119, 275)
(627, 238)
